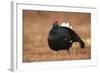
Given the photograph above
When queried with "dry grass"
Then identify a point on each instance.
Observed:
(36, 28)
(45, 54)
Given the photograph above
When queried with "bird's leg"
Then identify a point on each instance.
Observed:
(68, 52)
(55, 53)
(71, 50)
(58, 53)
(65, 52)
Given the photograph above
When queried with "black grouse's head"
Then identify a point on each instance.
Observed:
(54, 28)
(55, 24)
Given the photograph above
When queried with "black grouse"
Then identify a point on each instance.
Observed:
(62, 38)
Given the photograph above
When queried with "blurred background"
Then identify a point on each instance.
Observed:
(36, 25)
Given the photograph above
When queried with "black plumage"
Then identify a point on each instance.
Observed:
(62, 38)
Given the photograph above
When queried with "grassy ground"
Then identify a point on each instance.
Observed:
(45, 54)
(36, 27)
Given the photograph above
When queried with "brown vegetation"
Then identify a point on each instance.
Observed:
(36, 26)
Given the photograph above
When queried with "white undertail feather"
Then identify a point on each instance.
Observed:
(66, 25)
(63, 24)
(70, 27)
